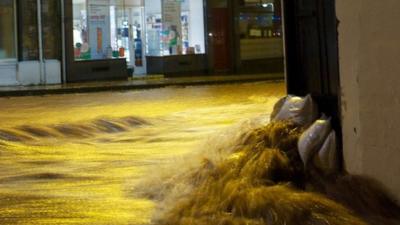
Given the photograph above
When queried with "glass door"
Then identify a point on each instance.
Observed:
(39, 42)
(136, 40)
(28, 31)
(51, 29)
(51, 40)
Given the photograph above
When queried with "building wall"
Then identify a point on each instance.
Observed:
(369, 57)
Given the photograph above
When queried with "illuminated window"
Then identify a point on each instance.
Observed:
(95, 29)
(104, 29)
(174, 27)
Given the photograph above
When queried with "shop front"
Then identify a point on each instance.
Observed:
(113, 39)
(30, 42)
(53, 42)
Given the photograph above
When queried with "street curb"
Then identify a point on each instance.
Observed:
(127, 87)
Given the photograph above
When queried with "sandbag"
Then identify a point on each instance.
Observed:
(313, 138)
(277, 107)
(301, 110)
(327, 158)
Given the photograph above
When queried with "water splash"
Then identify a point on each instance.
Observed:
(255, 178)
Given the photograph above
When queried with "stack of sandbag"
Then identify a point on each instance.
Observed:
(317, 144)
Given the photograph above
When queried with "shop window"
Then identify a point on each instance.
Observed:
(28, 30)
(259, 25)
(95, 29)
(260, 30)
(7, 29)
(51, 23)
(192, 23)
(154, 28)
(174, 27)
(104, 29)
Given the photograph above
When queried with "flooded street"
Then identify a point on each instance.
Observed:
(73, 159)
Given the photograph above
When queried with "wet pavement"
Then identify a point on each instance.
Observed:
(73, 159)
(136, 83)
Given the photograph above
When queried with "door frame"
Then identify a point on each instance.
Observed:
(43, 75)
(324, 83)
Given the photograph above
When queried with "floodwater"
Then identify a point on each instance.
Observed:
(73, 159)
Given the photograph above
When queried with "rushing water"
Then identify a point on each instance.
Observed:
(73, 159)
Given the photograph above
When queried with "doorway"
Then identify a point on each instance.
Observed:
(221, 40)
(312, 52)
(136, 39)
(39, 42)
(312, 62)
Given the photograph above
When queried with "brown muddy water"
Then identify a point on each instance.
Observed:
(75, 159)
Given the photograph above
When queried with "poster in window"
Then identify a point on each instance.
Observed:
(99, 28)
(172, 27)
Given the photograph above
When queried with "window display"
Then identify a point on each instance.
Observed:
(154, 31)
(7, 29)
(105, 29)
(80, 29)
(154, 27)
(95, 29)
(193, 24)
(174, 27)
